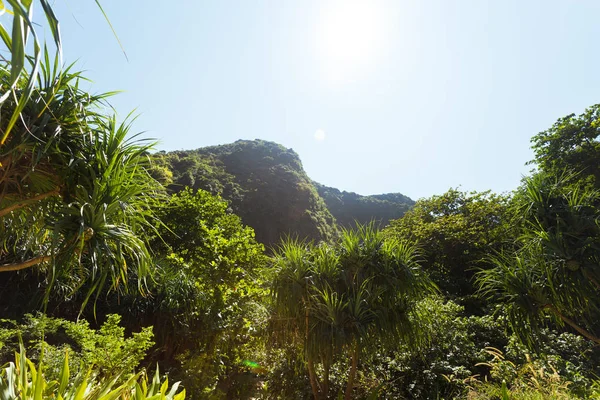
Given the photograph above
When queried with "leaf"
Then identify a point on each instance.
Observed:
(54, 26)
(64, 374)
(83, 385)
(112, 29)
(39, 383)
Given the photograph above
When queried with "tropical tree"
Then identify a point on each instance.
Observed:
(75, 194)
(336, 300)
(554, 274)
(456, 231)
(571, 144)
(203, 295)
(74, 191)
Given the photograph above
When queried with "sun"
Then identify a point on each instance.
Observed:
(320, 135)
(350, 37)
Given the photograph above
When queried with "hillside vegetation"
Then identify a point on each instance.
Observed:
(266, 185)
(350, 208)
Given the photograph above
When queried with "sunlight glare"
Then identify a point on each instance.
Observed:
(320, 135)
(349, 38)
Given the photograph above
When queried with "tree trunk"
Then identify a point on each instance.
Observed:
(314, 383)
(352, 373)
(24, 264)
(326, 368)
(25, 202)
(573, 325)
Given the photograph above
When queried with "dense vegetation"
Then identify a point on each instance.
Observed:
(348, 208)
(115, 260)
(264, 182)
(266, 185)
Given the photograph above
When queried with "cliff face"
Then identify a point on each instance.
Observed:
(264, 183)
(268, 188)
(349, 208)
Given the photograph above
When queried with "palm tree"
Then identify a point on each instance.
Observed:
(555, 272)
(80, 207)
(341, 298)
(18, 83)
(74, 191)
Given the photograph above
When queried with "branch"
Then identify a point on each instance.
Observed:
(25, 202)
(591, 278)
(573, 325)
(352, 373)
(25, 264)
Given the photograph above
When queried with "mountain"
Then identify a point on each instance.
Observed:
(349, 208)
(264, 183)
(268, 188)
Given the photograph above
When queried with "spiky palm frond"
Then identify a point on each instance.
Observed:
(554, 275)
(26, 381)
(24, 70)
(339, 297)
(75, 194)
(109, 211)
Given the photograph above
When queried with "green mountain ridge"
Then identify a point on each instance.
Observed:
(349, 207)
(266, 185)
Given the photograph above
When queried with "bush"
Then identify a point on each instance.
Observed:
(106, 350)
(22, 380)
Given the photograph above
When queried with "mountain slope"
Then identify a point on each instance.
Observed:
(264, 183)
(268, 188)
(349, 208)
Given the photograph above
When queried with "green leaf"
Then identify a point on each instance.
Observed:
(112, 29)
(64, 374)
(39, 383)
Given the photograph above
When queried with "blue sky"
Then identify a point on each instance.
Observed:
(375, 96)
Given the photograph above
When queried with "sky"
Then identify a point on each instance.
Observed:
(375, 96)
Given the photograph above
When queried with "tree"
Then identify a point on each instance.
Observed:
(204, 295)
(456, 231)
(571, 144)
(553, 275)
(20, 85)
(75, 193)
(336, 300)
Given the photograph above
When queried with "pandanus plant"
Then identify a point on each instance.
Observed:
(22, 68)
(75, 190)
(336, 300)
(555, 273)
(23, 380)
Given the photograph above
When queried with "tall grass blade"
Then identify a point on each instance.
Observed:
(112, 29)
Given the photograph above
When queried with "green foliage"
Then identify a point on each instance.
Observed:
(75, 194)
(350, 208)
(553, 275)
(105, 351)
(160, 170)
(571, 144)
(530, 381)
(571, 357)
(335, 300)
(24, 381)
(20, 80)
(204, 302)
(199, 228)
(443, 368)
(264, 183)
(456, 232)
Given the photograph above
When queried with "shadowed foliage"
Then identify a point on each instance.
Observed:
(334, 301)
